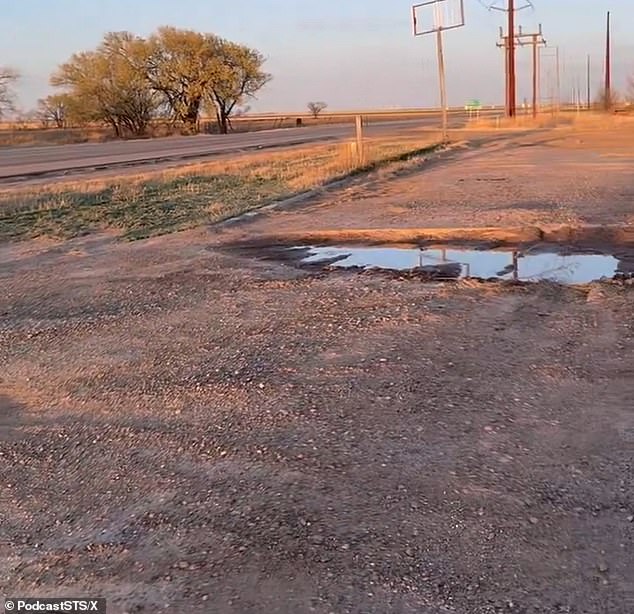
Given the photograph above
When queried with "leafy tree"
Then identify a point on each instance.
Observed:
(109, 85)
(127, 80)
(8, 78)
(54, 110)
(181, 66)
(316, 108)
(238, 77)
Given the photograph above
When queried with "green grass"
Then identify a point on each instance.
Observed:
(140, 211)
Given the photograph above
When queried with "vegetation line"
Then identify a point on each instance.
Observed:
(155, 203)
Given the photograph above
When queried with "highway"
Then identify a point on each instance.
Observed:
(29, 162)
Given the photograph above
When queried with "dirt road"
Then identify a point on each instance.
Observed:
(186, 429)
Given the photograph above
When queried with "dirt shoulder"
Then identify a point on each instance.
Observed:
(183, 427)
(571, 175)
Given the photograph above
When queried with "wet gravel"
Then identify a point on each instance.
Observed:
(189, 429)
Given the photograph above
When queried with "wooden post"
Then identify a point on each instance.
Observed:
(534, 75)
(360, 144)
(443, 88)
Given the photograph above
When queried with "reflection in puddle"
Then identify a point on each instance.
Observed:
(462, 263)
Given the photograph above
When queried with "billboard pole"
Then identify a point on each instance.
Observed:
(608, 68)
(442, 84)
(441, 22)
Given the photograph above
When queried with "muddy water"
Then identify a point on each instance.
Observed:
(566, 268)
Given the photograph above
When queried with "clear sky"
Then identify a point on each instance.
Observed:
(352, 54)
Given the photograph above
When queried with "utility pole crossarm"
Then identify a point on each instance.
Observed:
(509, 42)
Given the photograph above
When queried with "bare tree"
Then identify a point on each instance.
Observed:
(53, 110)
(8, 78)
(316, 108)
(630, 89)
(242, 111)
(608, 99)
(23, 119)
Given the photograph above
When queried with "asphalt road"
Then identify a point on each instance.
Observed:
(30, 162)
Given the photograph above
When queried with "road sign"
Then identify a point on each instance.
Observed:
(473, 105)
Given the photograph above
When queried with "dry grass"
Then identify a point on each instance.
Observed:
(550, 119)
(156, 202)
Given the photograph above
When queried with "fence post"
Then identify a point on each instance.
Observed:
(360, 144)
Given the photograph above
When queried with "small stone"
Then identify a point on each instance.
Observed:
(630, 518)
(603, 567)
(533, 520)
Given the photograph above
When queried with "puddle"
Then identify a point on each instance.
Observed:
(453, 263)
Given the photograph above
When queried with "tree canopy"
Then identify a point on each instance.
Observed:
(107, 86)
(129, 80)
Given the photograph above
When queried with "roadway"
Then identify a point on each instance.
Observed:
(30, 162)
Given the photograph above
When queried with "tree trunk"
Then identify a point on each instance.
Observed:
(191, 116)
(224, 122)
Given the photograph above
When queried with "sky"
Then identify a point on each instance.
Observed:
(352, 54)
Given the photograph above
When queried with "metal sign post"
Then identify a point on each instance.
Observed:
(436, 16)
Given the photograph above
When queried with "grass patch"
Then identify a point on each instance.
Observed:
(159, 202)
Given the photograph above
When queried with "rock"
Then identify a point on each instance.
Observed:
(533, 520)
(603, 567)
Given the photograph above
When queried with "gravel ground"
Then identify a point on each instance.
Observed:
(187, 429)
(563, 176)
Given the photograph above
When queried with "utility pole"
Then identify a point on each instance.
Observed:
(588, 100)
(511, 51)
(608, 68)
(536, 40)
(558, 80)
(509, 43)
(505, 44)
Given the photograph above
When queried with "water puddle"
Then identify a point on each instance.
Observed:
(454, 263)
